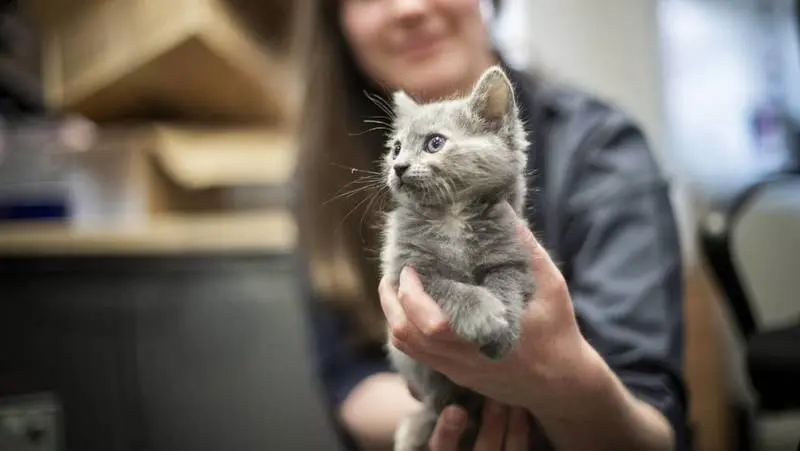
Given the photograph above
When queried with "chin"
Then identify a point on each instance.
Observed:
(433, 80)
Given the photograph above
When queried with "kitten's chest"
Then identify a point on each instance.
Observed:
(452, 245)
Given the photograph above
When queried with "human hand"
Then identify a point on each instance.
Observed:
(549, 351)
(499, 422)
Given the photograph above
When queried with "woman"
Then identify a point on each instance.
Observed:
(600, 364)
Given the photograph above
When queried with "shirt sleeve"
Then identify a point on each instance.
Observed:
(341, 366)
(623, 257)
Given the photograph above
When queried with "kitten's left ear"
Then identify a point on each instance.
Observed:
(492, 98)
(403, 103)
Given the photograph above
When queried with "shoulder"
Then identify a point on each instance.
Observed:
(543, 98)
(589, 118)
(579, 131)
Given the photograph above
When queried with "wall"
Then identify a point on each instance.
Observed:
(716, 74)
(611, 49)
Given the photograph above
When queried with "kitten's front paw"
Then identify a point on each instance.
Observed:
(489, 328)
(499, 346)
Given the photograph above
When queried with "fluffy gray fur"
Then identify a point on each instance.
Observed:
(464, 162)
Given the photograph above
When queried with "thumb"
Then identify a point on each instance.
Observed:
(544, 269)
(540, 260)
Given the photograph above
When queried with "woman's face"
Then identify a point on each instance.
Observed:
(429, 48)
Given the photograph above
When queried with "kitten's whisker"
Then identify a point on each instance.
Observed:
(369, 130)
(388, 108)
(377, 120)
(374, 196)
(352, 210)
(349, 193)
(380, 103)
(367, 182)
(354, 170)
(378, 125)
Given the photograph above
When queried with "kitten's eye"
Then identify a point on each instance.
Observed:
(396, 149)
(434, 143)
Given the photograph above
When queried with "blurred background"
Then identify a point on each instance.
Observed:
(147, 296)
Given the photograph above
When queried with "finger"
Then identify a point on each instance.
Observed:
(448, 430)
(391, 306)
(539, 255)
(517, 435)
(546, 271)
(420, 309)
(493, 427)
(402, 331)
(447, 359)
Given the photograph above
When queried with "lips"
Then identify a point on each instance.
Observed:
(420, 46)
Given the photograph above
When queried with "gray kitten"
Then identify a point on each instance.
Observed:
(453, 168)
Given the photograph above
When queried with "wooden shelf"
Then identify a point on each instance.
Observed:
(236, 232)
(116, 60)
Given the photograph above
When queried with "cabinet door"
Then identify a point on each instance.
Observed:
(68, 328)
(224, 362)
(164, 354)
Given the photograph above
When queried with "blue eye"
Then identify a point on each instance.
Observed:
(396, 149)
(434, 143)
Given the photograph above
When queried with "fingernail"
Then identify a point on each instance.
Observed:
(407, 275)
(455, 418)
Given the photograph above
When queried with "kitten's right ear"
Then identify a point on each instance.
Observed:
(403, 103)
(492, 98)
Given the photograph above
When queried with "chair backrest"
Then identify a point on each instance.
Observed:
(751, 245)
(765, 245)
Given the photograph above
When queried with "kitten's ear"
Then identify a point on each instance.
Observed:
(403, 103)
(492, 98)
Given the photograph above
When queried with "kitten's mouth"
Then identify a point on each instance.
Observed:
(406, 187)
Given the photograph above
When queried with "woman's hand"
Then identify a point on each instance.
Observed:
(549, 350)
(499, 422)
(552, 372)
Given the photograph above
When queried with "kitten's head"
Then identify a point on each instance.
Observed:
(457, 150)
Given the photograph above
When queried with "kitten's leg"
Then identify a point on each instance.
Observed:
(414, 432)
(475, 313)
(514, 286)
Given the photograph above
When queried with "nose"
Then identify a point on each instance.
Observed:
(401, 169)
(409, 8)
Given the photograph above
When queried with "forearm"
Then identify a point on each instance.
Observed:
(373, 409)
(593, 410)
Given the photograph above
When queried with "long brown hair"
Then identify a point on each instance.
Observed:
(338, 152)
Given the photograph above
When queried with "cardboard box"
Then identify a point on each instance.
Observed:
(185, 59)
(129, 175)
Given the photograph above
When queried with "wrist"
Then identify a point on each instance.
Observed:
(594, 400)
(574, 377)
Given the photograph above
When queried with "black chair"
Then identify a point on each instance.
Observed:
(752, 245)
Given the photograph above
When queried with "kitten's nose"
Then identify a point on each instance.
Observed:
(401, 169)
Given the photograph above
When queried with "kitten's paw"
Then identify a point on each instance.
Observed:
(482, 327)
(499, 346)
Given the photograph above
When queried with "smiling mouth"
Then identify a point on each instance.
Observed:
(421, 48)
